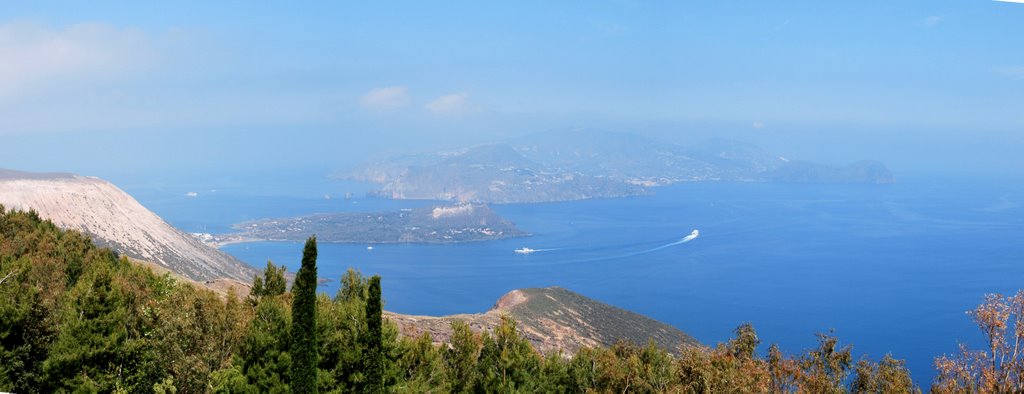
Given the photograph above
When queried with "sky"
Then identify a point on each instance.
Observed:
(129, 90)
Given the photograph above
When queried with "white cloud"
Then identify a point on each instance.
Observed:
(450, 104)
(38, 58)
(1013, 72)
(87, 77)
(386, 98)
(932, 21)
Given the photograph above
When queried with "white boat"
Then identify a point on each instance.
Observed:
(524, 250)
(369, 248)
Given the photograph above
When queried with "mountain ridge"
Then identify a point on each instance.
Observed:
(583, 164)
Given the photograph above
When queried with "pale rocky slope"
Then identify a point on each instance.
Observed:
(114, 219)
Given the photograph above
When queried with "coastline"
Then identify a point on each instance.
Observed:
(218, 244)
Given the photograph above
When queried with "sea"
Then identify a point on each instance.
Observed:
(886, 268)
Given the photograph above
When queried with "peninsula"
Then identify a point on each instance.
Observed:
(439, 224)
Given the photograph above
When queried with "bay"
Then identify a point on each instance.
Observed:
(889, 268)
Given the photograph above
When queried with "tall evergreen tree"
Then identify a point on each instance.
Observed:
(272, 283)
(303, 346)
(375, 340)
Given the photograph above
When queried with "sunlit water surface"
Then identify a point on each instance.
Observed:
(891, 268)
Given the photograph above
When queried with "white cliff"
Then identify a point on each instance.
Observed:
(114, 219)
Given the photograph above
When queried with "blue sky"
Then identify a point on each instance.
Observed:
(239, 85)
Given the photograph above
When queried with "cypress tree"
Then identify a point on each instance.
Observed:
(303, 347)
(375, 339)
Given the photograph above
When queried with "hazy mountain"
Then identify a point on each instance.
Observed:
(580, 164)
(487, 173)
(554, 319)
(641, 159)
(114, 219)
(800, 171)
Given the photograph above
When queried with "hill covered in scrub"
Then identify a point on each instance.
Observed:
(554, 319)
(114, 219)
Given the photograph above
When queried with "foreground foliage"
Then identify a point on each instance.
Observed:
(79, 318)
(75, 317)
(304, 332)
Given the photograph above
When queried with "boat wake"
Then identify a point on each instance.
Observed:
(693, 235)
(528, 250)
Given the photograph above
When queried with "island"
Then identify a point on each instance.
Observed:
(582, 164)
(437, 224)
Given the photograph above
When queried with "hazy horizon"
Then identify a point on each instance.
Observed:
(181, 90)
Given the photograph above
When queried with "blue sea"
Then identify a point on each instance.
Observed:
(889, 268)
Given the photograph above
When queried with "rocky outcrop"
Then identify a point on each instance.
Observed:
(114, 219)
(554, 319)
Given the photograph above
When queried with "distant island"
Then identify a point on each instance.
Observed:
(439, 224)
(582, 164)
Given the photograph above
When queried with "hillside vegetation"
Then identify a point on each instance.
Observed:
(554, 319)
(76, 317)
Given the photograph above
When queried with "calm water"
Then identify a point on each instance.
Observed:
(891, 268)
